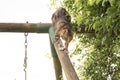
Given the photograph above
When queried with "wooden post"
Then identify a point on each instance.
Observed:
(65, 62)
(57, 65)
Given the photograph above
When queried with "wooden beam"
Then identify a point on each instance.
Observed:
(24, 27)
(57, 65)
(34, 28)
(66, 64)
(64, 59)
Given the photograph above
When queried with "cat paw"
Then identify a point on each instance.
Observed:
(62, 49)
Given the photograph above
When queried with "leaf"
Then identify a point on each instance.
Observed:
(98, 1)
(112, 2)
(108, 21)
(103, 2)
(91, 2)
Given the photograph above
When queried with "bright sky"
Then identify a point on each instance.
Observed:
(40, 67)
(25, 10)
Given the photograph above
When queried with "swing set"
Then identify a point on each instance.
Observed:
(60, 58)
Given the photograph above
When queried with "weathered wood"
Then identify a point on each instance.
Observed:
(34, 28)
(64, 59)
(57, 65)
(66, 64)
(58, 68)
(24, 27)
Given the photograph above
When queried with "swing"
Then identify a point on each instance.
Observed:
(58, 56)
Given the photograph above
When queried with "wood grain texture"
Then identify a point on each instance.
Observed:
(66, 64)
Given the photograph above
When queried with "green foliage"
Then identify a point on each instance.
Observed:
(102, 57)
(104, 17)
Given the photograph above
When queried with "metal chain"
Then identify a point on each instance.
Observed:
(25, 58)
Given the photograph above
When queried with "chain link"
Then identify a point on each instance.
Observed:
(25, 58)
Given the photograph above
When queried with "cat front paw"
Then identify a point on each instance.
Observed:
(61, 48)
